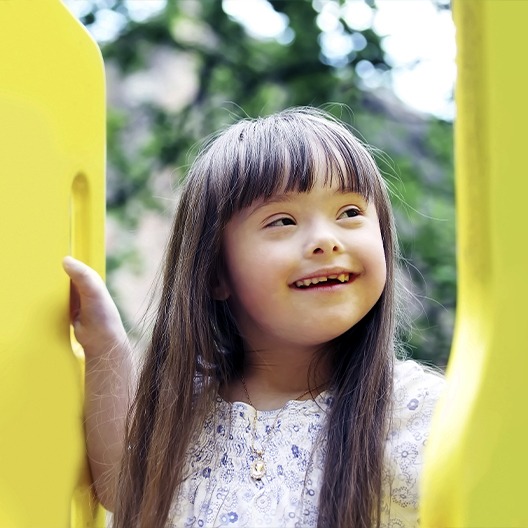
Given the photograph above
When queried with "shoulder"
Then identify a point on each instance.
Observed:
(416, 386)
(417, 389)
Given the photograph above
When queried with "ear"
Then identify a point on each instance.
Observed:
(220, 288)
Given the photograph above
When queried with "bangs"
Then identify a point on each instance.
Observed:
(288, 152)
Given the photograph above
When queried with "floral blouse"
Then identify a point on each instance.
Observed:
(220, 490)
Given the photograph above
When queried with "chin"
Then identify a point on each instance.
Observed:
(320, 340)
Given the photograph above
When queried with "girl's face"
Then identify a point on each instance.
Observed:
(302, 268)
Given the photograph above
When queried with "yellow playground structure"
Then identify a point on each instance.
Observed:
(477, 459)
(52, 162)
(52, 158)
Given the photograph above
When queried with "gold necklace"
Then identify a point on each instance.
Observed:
(258, 467)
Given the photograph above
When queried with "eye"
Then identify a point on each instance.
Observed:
(279, 222)
(350, 212)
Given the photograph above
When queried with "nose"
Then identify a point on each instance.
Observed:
(323, 241)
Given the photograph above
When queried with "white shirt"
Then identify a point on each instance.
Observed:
(220, 491)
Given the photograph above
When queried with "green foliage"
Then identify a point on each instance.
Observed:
(237, 74)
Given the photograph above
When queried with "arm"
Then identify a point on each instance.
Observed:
(109, 374)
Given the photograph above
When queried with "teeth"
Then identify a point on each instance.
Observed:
(342, 277)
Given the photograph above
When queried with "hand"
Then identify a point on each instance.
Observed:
(93, 313)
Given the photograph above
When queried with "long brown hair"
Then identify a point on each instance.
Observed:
(195, 347)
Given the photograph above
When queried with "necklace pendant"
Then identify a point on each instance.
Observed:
(258, 469)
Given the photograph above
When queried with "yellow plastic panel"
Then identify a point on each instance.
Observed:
(52, 150)
(477, 461)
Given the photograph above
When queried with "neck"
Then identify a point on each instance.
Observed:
(273, 378)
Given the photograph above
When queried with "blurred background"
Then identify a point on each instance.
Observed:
(177, 70)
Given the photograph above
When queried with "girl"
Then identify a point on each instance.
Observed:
(270, 394)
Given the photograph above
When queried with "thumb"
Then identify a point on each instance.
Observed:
(93, 313)
(86, 281)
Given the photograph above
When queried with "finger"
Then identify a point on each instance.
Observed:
(86, 280)
(75, 303)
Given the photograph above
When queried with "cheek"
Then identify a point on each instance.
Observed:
(378, 266)
(244, 276)
(382, 278)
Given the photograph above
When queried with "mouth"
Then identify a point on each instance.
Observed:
(325, 280)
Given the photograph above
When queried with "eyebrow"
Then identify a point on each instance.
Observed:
(280, 198)
(275, 199)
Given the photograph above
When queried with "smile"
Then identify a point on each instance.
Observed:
(341, 278)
